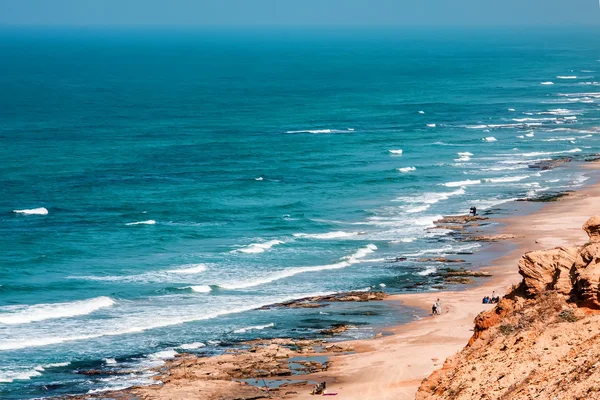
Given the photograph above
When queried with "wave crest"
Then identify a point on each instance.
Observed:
(254, 248)
(33, 211)
(39, 312)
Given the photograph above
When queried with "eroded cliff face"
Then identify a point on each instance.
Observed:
(542, 341)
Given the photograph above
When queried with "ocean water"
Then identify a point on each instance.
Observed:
(157, 187)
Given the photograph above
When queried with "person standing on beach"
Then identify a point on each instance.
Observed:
(438, 307)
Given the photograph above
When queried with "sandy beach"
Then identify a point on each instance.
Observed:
(392, 367)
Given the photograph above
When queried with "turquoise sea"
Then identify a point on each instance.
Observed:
(156, 187)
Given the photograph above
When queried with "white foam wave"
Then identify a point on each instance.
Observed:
(289, 272)
(463, 183)
(529, 119)
(33, 211)
(421, 112)
(464, 156)
(476, 126)
(489, 139)
(317, 131)
(506, 168)
(560, 139)
(19, 375)
(396, 152)
(39, 312)
(110, 361)
(547, 83)
(567, 77)
(558, 111)
(163, 355)
(254, 248)
(146, 324)
(406, 169)
(189, 269)
(42, 368)
(260, 178)
(328, 235)
(447, 249)
(431, 125)
(254, 328)
(547, 153)
(201, 288)
(530, 134)
(428, 271)
(171, 275)
(432, 197)
(148, 222)
(507, 179)
(191, 346)
(418, 209)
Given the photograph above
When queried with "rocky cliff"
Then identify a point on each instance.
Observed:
(542, 341)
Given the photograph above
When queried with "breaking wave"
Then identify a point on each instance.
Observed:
(316, 131)
(254, 248)
(328, 235)
(289, 272)
(254, 328)
(148, 222)
(39, 312)
(33, 211)
(463, 183)
(406, 169)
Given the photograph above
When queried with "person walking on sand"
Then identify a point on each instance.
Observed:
(438, 307)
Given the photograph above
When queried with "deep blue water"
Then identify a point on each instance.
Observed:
(190, 177)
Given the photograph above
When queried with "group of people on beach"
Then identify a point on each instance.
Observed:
(494, 299)
(436, 309)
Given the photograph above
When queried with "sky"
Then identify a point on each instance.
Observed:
(301, 13)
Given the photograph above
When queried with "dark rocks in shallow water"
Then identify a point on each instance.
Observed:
(448, 227)
(399, 259)
(415, 285)
(440, 259)
(92, 372)
(550, 164)
(458, 219)
(592, 158)
(335, 329)
(489, 238)
(317, 301)
(464, 273)
(548, 197)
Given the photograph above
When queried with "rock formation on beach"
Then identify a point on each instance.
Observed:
(542, 341)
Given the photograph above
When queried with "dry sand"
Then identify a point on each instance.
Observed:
(392, 367)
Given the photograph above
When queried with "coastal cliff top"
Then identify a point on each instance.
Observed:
(541, 341)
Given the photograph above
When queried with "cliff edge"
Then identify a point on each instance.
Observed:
(542, 341)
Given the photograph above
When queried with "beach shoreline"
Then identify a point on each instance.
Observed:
(393, 365)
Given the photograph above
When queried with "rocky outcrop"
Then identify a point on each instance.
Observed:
(548, 270)
(459, 219)
(321, 301)
(570, 271)
(592, 228)
(550, 164)
(541, 341)
(490, 238)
